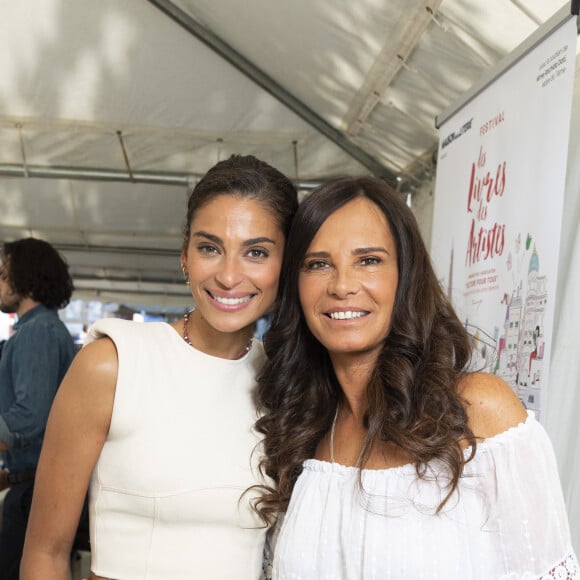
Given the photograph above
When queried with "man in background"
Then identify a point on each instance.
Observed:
(34, 284)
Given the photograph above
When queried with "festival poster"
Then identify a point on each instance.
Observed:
(498, 209)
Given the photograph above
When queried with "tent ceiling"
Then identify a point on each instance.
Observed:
(109, 109)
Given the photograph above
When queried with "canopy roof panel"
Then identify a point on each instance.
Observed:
(111, 110)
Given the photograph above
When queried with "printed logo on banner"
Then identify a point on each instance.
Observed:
(457, 134)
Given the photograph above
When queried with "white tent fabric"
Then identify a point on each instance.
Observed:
(126, 107)
(563, 403)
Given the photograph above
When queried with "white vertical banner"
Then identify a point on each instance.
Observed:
(498, 210)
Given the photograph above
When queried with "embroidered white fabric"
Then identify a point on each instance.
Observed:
(507, 522)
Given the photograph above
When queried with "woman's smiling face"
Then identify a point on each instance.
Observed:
(233, 257)
(348, 281)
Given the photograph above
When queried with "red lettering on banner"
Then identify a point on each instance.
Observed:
(485, 242)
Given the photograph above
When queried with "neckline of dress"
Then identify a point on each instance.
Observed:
(245, 350)
(488, 443)
(177, 334)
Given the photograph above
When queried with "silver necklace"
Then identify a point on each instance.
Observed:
(186, 338)
(332, 435)
(332, 440)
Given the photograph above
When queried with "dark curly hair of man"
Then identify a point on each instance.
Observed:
(36, 270)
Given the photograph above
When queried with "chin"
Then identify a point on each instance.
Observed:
(230, 328)
(354, 349)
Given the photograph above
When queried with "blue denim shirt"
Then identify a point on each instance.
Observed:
(34, 361)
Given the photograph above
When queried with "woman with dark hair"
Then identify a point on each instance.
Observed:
(390, 458)
(158, 418)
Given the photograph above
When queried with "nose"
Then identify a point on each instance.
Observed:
(343, 283)
(230, 273)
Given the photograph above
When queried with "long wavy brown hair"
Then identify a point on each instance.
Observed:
(412, 395)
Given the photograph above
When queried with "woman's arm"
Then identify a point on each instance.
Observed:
(76, 431)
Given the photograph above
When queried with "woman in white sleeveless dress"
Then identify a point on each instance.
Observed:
(391, 460)
(158, 418)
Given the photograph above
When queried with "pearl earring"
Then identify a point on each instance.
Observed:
(185, 274)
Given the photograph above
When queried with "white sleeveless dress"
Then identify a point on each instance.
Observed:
(165, 494)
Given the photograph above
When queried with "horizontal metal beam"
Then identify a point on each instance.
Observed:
(117, 250)
(95, 174)
(173, 236)
(117, 175)
(136, 286)
(266, 82)
(151, 301)
(98, 279)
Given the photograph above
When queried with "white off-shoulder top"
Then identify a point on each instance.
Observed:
(507, 521)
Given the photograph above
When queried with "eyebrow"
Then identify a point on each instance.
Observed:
(217, 240)
(357, 252)
(371, 250)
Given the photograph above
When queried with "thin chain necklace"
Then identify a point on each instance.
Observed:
(244, 352)
(332, 440)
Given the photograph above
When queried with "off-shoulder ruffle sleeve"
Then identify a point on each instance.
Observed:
(519, 477)
(506, 522)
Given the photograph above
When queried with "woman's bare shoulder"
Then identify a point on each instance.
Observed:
(98, 355)
(492, 406)
(92, 376)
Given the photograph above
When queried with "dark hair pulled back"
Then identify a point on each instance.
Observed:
(245, 176)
